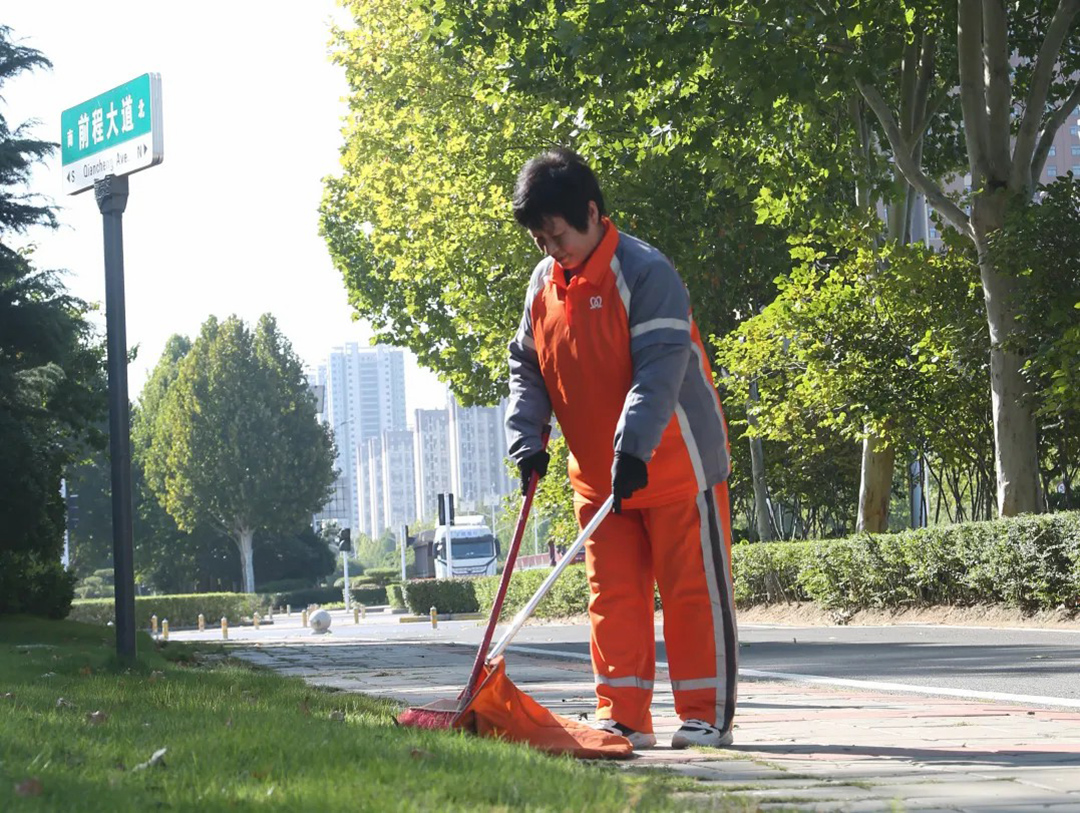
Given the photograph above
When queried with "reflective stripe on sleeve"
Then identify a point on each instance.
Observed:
(659, 324)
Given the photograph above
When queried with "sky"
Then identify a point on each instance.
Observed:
(228, 222)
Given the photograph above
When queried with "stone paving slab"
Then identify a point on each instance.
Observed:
(797, 747)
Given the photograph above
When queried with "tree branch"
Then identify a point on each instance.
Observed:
(972, 90)
(911, 171)
(927, 66)
(1053, 124)
(998, 87)
(1035, 106)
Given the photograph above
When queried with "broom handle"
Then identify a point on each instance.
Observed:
(527, 610)
(508, 571)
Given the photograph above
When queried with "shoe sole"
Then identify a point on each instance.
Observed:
(641, 741)
(679, 742)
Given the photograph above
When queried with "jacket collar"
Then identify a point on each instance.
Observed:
(598, 263)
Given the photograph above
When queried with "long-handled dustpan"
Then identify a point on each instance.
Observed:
(491, 705)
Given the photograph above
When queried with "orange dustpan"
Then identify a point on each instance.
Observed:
(491, 705)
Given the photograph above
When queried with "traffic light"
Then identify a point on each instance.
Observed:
(344, 541)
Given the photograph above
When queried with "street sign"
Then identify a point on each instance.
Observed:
(116, 133)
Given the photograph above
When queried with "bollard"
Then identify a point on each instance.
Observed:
(363, 611)
(225, 628)
(153, 625)
(434, 618)
(256, 620)
(202, 623)
(288, 610)
(303, 618)
(356, 615)
(270, 615)
(165, 630)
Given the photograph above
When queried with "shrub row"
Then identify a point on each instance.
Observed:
(447, 595)
(299, 599)
(180, 610)
(395, 595)
(368, 595)
(1028, 562)
(34, 584)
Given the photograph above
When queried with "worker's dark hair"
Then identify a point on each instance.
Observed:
(557, 182)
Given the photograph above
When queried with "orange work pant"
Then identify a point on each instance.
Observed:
(685, 549)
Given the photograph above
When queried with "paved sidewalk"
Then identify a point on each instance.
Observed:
(797, 747)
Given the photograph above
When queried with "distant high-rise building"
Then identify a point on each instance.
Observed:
(364, 397)
(431, 428)
(399, 493)
(478, 474)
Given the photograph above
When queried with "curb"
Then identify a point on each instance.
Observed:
(418, 619)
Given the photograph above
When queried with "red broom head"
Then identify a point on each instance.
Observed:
(426, 718)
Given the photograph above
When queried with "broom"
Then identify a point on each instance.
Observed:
(441, 713)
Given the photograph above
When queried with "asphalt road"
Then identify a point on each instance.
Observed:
(1040, 663)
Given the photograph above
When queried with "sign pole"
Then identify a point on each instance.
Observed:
(112, 193)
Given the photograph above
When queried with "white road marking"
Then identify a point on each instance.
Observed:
(966, 694)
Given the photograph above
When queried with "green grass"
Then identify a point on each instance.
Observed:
(239, 738)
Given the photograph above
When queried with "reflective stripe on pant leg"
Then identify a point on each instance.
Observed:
(619, 567)
(716, 546)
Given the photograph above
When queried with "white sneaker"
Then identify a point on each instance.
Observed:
(698, 732)
(639, 739)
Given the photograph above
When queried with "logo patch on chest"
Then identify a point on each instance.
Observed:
(595, 302)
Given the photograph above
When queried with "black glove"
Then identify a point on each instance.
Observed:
(628, 474)
(538, 462)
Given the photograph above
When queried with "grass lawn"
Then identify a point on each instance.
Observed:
(77, 729)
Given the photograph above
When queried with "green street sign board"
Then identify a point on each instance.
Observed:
(115, 133)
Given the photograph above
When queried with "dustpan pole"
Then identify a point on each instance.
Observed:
(526, 611)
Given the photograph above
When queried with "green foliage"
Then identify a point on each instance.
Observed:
(285, 585)
(382, 576)
(34, 584)
(52, 391)
(1029, 562)
(298, 599)
(395, 596)
(369, 596)
(234, 443)
(180, 610)
(568, 596)
(446, 595)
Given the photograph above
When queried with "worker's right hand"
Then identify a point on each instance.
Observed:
(538, 462)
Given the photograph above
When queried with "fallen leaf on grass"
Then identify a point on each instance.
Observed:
(29, 787)
(417, 753)
(49, 675)
(155, 676)
(64, 703)
(86, 671)
(96, 717)
(157, 758)
(337, 716)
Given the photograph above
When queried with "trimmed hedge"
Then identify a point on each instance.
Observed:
(446, 595)
(1030, 562)
(180, 610)
(395, 595)
(300, 599)
(568, 596)
(35, 584)
(382, 576)
(369, 596)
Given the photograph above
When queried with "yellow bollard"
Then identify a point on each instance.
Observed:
(363, 611)
(434, 618)
(153, 625)
(256, 620)
(202, 623)
(303, 618)
(270, 612)
(288, 610)
(165, 630)
(356, 615)
(225, 628)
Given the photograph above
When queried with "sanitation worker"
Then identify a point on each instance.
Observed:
(608, 343)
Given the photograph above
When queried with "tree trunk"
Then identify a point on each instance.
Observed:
(247, 568)
(1016, 454)
(757, 473)
(875, 486)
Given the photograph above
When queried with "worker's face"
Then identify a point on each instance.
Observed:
(570, 247)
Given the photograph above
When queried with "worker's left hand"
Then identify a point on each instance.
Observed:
(628, 474)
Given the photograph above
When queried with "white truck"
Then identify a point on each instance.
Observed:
(474, 551)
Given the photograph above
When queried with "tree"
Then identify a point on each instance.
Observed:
(51, 384)
(235, 441)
